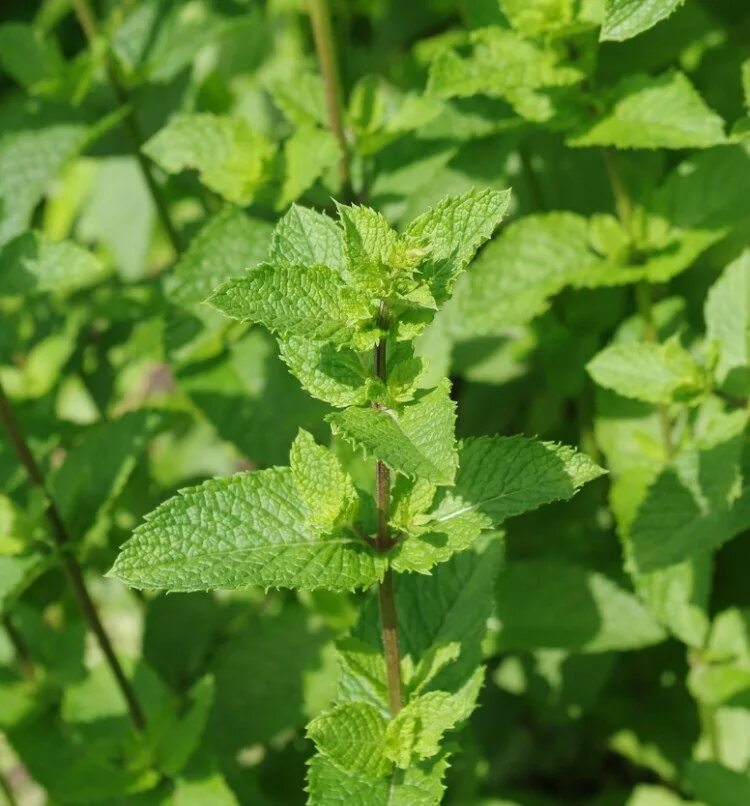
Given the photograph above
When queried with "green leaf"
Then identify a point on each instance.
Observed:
(228, 244)
(727, 316)
(720, 786)
(416, 731)
(534, 17)
(352, 736)
(229, 156)
(325, 488)
(237, 532)
(340, 377)
(278, 667)
(418, 440)
(301, 97)
(513, 279)
(503, 64)
(654, 373)
(453, 231)
(647, 112)
(568, 607)
(450, 606)
(624, 19)
(424, 545)
(500, 477)
(371, 247)
(16, 574)
(305, 301)
(72, 768)
(233, 391)
(695, 504)
(305, 237)
(420, 785)
(33, 150)
(25, 55)
(154, 43)
(308, 154)
(96, 469)
(33, 264)
(179, 743)
(678, 597)
(193, 789)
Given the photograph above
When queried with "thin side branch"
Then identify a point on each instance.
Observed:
(70, 565)
(87, 22)
(23, 656)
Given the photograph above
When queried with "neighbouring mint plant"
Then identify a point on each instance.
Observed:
(346, 300)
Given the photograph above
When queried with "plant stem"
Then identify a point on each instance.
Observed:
(87, 22)
(532, 180)
(383, 542)
(623, 204)
(325, 48)
(70, 565)
(23, 655)
(644, 303)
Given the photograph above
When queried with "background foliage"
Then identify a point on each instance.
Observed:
(611, 312)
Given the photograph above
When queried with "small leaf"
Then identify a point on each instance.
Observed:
(303, 301)
(35, 63)
(326, 490)
(513, 279)
(624, 19)
(33, 151)
(352, 736)
(728, 325)
(416, 731)
(229, 156)
(696, 503)
(371, 246)
(654, 373)
(17, 573)
(647, 112)
(500, 477)
(453, 231)
(308, 154)
(305, 237)
(569, 607)
(503, 64)
(338, 377)
(420, 785)
(34, 264)
(715, 784)
(417, 440)
(249, 529)
(228, 244)
(184, 736)
(96, 469)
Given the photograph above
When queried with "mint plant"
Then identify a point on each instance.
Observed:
(346, 301)
(288, 379)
